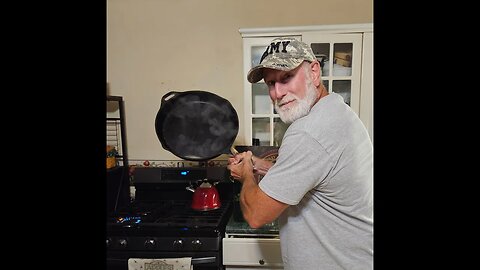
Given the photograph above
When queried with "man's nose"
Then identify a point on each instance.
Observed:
(280, 90)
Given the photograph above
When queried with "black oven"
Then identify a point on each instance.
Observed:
(160, 222)
(206, 252)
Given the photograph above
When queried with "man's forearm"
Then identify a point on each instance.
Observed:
(248, 196)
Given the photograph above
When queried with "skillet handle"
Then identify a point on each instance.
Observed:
(168, 96)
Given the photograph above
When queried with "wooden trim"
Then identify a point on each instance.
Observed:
(295, 30)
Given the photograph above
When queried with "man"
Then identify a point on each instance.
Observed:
(321, 186)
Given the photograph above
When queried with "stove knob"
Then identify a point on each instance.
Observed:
(196, 244)
(109, 242)
(122, 243)
(150, 243)
(178, 244)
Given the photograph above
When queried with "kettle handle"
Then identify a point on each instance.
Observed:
(190, 188)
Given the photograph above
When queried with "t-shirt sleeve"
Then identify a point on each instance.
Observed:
(302, 164)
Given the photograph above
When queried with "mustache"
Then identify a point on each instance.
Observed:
(286, 99)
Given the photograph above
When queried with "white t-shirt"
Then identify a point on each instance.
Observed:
(324, 171)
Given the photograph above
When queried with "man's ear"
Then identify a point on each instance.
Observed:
(316, 73)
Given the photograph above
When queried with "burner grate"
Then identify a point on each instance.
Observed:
(170, 214)
(187, 217)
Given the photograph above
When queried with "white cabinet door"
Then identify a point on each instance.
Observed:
(341, 58)
(366, 95)
(257, 253)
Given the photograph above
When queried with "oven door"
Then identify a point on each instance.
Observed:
(200, 260)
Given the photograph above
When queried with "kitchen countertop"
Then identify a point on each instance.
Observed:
(234, 226)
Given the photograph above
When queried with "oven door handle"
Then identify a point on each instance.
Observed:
(204, 260)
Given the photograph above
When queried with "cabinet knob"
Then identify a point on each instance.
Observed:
(261, 262)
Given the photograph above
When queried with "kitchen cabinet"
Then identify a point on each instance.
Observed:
(346, 56)
(248, 248)
(252, 253)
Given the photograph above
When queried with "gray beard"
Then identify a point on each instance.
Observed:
(302, 107)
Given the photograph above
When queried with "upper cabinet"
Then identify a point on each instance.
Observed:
(340, 56)
(345, 53)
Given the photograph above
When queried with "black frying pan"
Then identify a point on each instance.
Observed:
(196, 125)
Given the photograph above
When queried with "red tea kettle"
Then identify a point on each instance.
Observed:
(205, 196)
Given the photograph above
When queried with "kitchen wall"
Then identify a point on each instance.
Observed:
(157, 46)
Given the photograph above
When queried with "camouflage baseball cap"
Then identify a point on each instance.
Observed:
(284, 53)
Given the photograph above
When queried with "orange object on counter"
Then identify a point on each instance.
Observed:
(111, 157)
(111, 162)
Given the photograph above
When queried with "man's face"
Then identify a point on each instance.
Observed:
(292, 92)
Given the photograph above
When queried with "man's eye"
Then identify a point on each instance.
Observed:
(286, 78)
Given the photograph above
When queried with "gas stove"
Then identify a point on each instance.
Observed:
(160, 222)
(169, 218)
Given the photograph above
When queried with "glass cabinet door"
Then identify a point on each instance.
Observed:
(340, 58)
(262, 122)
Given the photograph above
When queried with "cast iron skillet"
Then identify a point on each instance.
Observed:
(196, 125)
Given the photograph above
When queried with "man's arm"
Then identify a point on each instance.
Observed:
(257, 207)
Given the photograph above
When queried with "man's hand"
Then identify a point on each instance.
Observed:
(240, 165)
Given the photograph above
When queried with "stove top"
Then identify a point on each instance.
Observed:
(168, 219)
(167, 214)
